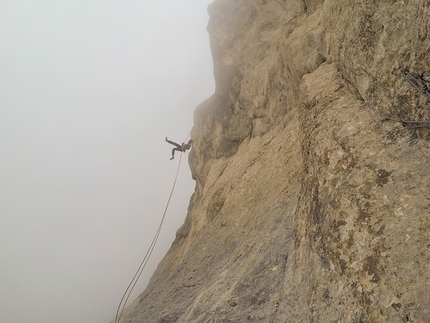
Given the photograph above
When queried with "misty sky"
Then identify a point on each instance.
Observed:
(88, 92)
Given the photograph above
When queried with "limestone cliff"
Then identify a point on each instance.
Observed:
(312, 201)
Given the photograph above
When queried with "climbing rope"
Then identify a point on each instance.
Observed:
(415, 124)
(424, 90)
(420, 87)
(139, 271)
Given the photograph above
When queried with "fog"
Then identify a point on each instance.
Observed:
(88, 92)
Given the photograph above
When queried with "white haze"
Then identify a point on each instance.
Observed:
(88, 91)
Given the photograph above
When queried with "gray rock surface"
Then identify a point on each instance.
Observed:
(312, 201)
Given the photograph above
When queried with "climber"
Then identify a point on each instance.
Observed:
(183, 148)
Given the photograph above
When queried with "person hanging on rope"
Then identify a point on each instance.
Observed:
(182, 148)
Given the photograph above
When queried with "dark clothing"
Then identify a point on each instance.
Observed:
(184, 147)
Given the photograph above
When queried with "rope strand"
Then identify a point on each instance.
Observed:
(147, 255)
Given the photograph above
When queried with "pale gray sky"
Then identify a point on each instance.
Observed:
(88, 91)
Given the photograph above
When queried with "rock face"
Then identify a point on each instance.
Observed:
(312, 201)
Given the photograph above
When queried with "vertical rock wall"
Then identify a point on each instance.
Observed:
(312, 201)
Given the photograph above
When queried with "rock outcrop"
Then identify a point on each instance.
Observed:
(312, 201)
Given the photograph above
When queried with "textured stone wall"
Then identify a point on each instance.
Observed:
(312, 201)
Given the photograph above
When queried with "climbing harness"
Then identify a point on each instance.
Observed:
(421, 87)
(139, 271)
